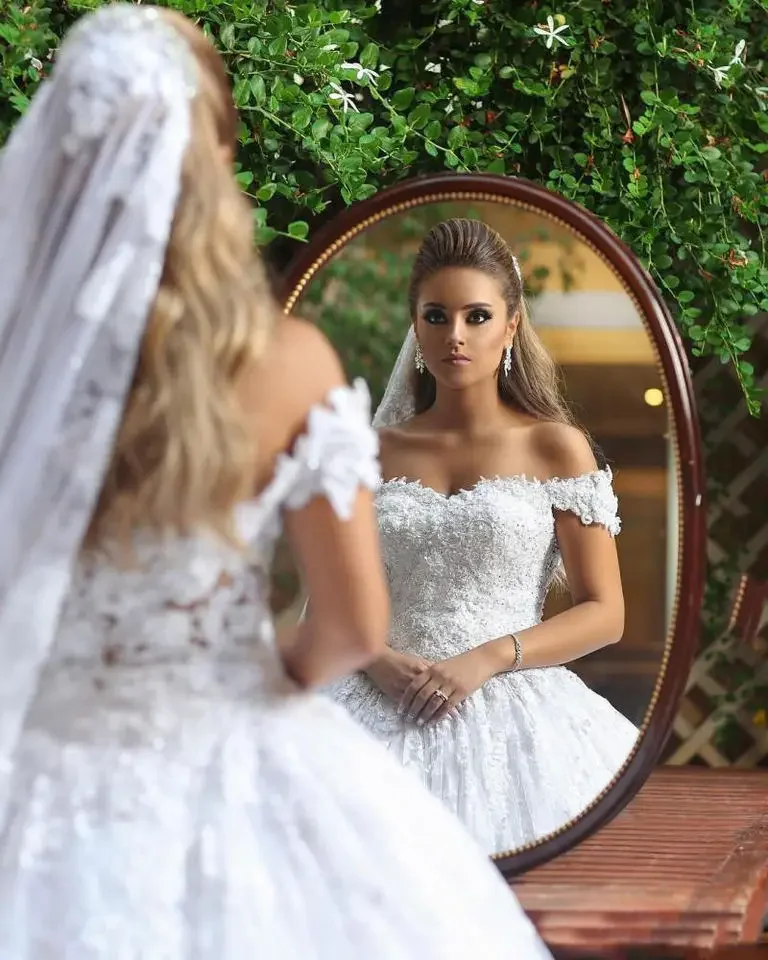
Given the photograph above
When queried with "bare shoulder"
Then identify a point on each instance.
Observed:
(302, 359)
(298, 371)
(562, 449)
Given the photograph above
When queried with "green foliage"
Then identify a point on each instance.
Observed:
(653, 115)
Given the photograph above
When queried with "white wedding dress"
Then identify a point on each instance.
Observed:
(529, 750)
(173, 797)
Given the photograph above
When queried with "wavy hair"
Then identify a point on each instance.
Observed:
(184, 453)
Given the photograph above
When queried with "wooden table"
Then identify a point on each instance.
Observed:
(683, 871)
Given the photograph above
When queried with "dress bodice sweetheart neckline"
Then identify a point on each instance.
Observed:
(500, 480)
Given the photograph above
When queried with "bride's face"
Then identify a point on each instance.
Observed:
(462, 325)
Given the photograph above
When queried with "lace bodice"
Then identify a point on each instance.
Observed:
(467, 568)
(190, 605)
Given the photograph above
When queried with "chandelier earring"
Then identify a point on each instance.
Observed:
(507, 362)
(418, 358)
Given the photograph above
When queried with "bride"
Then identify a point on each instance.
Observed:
(491, 492)
(168, 787)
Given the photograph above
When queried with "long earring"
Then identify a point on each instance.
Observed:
(507, 365)
(418, 358)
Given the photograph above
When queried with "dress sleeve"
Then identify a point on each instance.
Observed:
(589, 496)
(336, 455)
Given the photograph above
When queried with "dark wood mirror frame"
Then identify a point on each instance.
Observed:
(682, 639)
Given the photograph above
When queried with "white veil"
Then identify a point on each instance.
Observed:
(399, 403)
(89, 182)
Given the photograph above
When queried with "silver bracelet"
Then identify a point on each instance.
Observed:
(518, 662)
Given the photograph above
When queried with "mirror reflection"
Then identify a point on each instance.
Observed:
(527, 513)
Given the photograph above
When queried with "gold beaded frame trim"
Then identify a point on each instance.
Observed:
(474, 196)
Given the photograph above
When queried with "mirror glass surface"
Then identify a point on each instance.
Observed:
(557, 749)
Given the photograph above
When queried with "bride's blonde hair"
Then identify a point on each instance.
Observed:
(184, 454)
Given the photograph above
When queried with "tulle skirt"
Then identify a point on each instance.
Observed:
(526, 753)
(150, 821)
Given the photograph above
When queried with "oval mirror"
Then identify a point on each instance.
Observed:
(552, 753)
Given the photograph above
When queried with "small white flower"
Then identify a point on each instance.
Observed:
(346, 100)
(443, 23)
(363, 73)
(478, 3)
(33, 61)
(377, 5)
(433, 67)
(720, 73)
(298, 79)
(551, 33)
(449, 107)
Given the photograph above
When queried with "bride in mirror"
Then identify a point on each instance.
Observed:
(491, 495)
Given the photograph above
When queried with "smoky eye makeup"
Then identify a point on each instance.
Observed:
(474, 313)
(433, 315)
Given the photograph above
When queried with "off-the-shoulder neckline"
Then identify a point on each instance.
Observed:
(288, 461)
(519, 479)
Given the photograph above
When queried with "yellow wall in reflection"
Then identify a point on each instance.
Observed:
(522, 231)
(572, 345)
(519, 228)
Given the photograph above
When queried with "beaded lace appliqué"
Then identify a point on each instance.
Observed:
(121, 54)
(482, 560)
(192, 597)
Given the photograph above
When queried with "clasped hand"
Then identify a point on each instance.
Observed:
(427, 692)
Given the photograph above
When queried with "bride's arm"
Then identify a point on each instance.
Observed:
(596, 618)
(334, 538)
(390, 671)
(346, 625)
